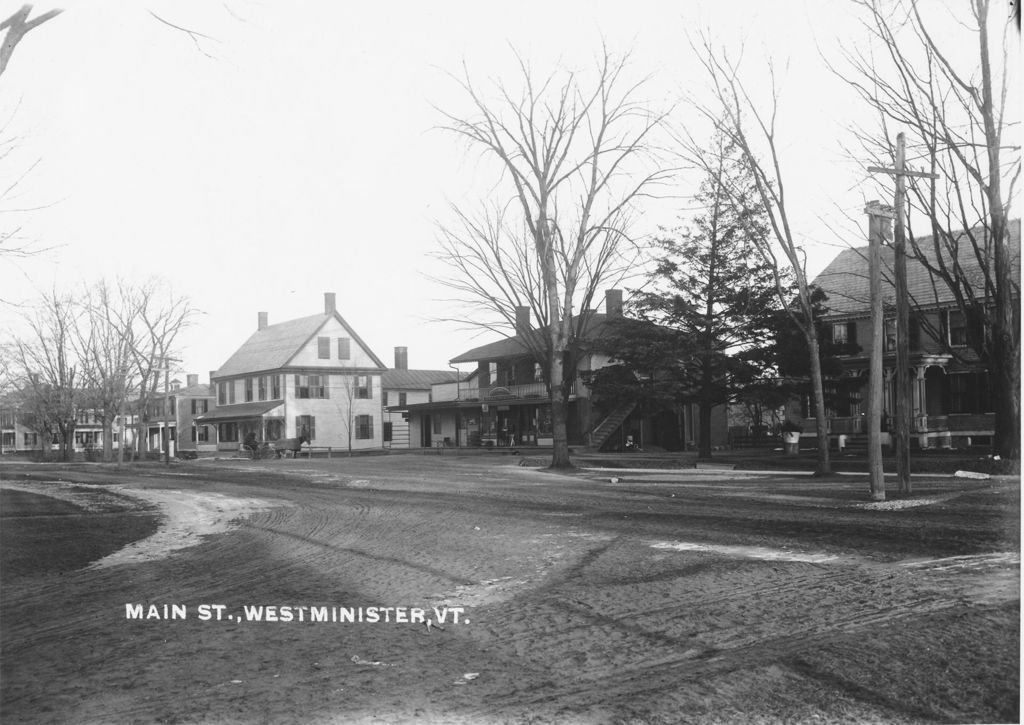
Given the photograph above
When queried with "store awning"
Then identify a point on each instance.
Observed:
(243, 411)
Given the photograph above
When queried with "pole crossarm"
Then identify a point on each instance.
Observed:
(904, 172)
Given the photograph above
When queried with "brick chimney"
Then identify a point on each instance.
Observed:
(263, 320)
(212, 373)
(613, 303)
(193, 379)
(401, 358)
(330, 307)
(522, 320)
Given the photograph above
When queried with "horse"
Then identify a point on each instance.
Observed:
(290, 444)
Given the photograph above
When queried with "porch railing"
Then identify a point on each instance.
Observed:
(845, 425)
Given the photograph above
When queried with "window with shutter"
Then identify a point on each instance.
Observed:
(323, 348)
(344, 348)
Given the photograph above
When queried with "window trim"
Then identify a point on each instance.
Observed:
(364, 427)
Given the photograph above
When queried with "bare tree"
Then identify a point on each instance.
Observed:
(343, 404)
(105, 342)
(48, 371)
(572, 160)
(17, 26)
(751, 129)
(160, 316)
(950, 91)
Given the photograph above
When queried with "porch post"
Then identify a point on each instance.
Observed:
(889, 405)
(919, 392)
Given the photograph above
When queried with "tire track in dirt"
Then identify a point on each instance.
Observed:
(641, 652)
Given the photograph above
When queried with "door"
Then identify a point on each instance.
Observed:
(426, 431)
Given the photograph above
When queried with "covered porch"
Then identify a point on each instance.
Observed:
(480, 424)
(234, 423)
(951, 405)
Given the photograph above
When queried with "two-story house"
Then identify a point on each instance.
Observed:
(504, 400)
(313, 377)
(193, 401)
(952, 396)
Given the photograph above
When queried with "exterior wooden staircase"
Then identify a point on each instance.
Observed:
(600, 435)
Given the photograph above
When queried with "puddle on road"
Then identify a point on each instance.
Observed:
(907, 503)
(187, 516)
(746, 552)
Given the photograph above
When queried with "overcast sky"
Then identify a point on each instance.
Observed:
(294, 151)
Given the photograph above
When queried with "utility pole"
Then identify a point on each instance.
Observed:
(904, 414)
(167, 411)
(878, 216)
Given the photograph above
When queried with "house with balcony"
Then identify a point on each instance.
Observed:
(504, 401)
(952, 393)
(312, 377)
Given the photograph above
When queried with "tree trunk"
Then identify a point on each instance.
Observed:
(559, 403)
(108, 442)
(1006, 374)
(824, 465)
(704, 443)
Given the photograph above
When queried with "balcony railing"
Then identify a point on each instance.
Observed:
(526, 390)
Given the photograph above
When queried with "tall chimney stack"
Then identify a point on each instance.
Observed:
(401, 358)
(263, 321)
(613, 303)
(329, 304)
(522, 320)
(212, 373)
(193, 379)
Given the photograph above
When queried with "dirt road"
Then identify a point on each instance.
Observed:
(696, 596)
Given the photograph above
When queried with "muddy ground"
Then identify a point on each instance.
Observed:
(667, 596)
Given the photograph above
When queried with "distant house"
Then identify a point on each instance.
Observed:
(404, 387)
(191, 402)
(312, 377)
(504, 400)
(15, 434)
(169, 418)
(952, 399)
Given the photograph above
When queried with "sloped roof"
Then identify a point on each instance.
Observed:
(240, 411)
(415, 379)
(515, 346)
(845, 280)
(203, 390)
(275, 345)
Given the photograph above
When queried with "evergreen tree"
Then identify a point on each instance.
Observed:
(714, 289)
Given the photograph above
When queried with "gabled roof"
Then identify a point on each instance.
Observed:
(416, 379)
(847, 285)
(515, 346)
(275, 345)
